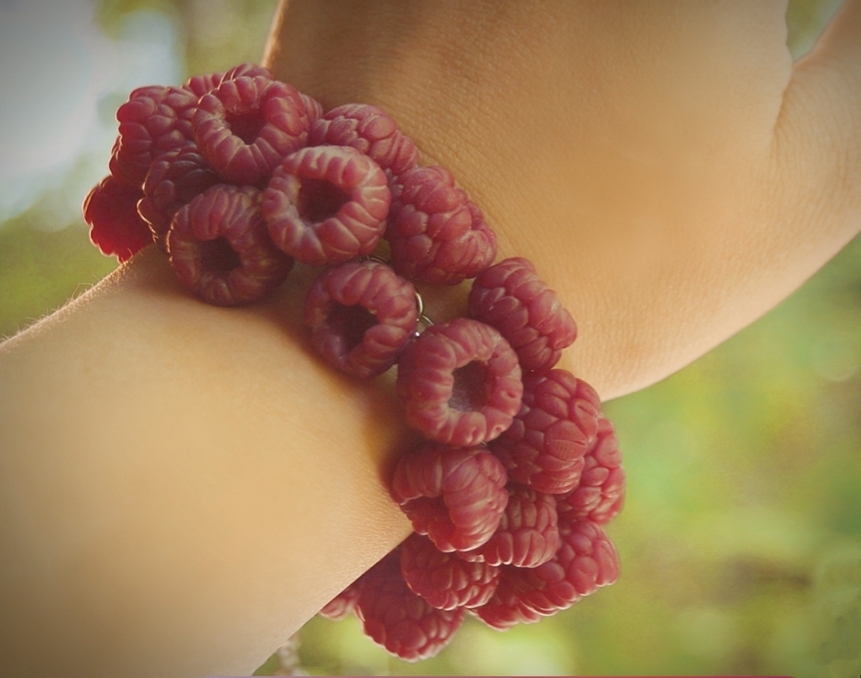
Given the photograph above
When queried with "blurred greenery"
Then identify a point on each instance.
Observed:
(741, 538)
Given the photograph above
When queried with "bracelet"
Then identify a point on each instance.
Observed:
(236, 176)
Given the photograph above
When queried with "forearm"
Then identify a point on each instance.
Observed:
(183, 486)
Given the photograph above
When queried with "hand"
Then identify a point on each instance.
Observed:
(666, 167)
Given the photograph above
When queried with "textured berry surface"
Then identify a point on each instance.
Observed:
(511, 297)
(246, 125)
(586, 560)
(361, 316)
(545, 446)
(115, 225)
(326, 205)
(219, 247)
(454, 495)
(460, 383)
(398, 619)
(437, 234)
(153, 121)
(173, 180)
(341, 605)
(368, 129)
(444, 580)
(528, 534)
(601, 491)
(313, 107)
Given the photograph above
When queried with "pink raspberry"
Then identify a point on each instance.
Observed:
(153, 121)
(245, 127)
(511, 297)
(398, 619)
(203, 84)
(326, 205)
(585, 561)
(115, 225)
(444, 580)
(341, 605)
(369, 130)
(219, 248)
(173, 180)
(601, 491)
(437, 234)
(460, 383)
(314, 109)
(361, 316)
(454, 495)
(528, 534)
(545, 446)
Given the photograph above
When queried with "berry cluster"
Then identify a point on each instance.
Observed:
(236, 176)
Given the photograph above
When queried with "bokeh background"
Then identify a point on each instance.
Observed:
(741, 538)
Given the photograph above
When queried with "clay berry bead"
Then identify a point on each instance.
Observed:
(437, 235)
(219, 247)
(511, 297)
(454, 495)
(545, 446)
(326, 205)
(460, 383)
(361, 316)
(115, 225)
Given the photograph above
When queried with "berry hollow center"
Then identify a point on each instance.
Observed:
(217, 255)
(471, 388)
(320, 199)
(351, 322)
(247, 125)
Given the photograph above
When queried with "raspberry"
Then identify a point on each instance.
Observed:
(341, 605)
(203, 84)
(585, 561)
(314, 109)
(437, 234)
(545, 446)
(370, 130)
(511, 297)
(245, 127)
(444, 580)
(527, 535)
(153, 121)
(398, 619)
(115, 225)
(454, 495)
(326, 205)
(601, 491)
(460, 382)
(174, 178)
(219, 248)
(361, 316)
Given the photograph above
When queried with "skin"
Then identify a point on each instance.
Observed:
(184, 486)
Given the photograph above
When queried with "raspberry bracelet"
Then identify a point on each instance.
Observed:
(237, 175)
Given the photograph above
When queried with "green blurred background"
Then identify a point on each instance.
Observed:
(741, 537)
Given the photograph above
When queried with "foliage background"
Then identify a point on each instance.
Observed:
(741, 538)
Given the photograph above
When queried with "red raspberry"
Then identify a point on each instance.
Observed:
(601, 491)
(326, 205)
(115, 225)
(314, 109)
(528, 534)
(361, 316)
(511, 297)
(219, 248)
(203, 84)
(245, 127)
(460, 382)
(173, 180)
(444, 580)
(454, 495)
(437, 234)
(398, 619)
(370, 130)
(341, 605)
(585, 561)
(153, 121)
(545, 446)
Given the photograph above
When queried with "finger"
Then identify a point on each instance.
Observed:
(818, 135)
